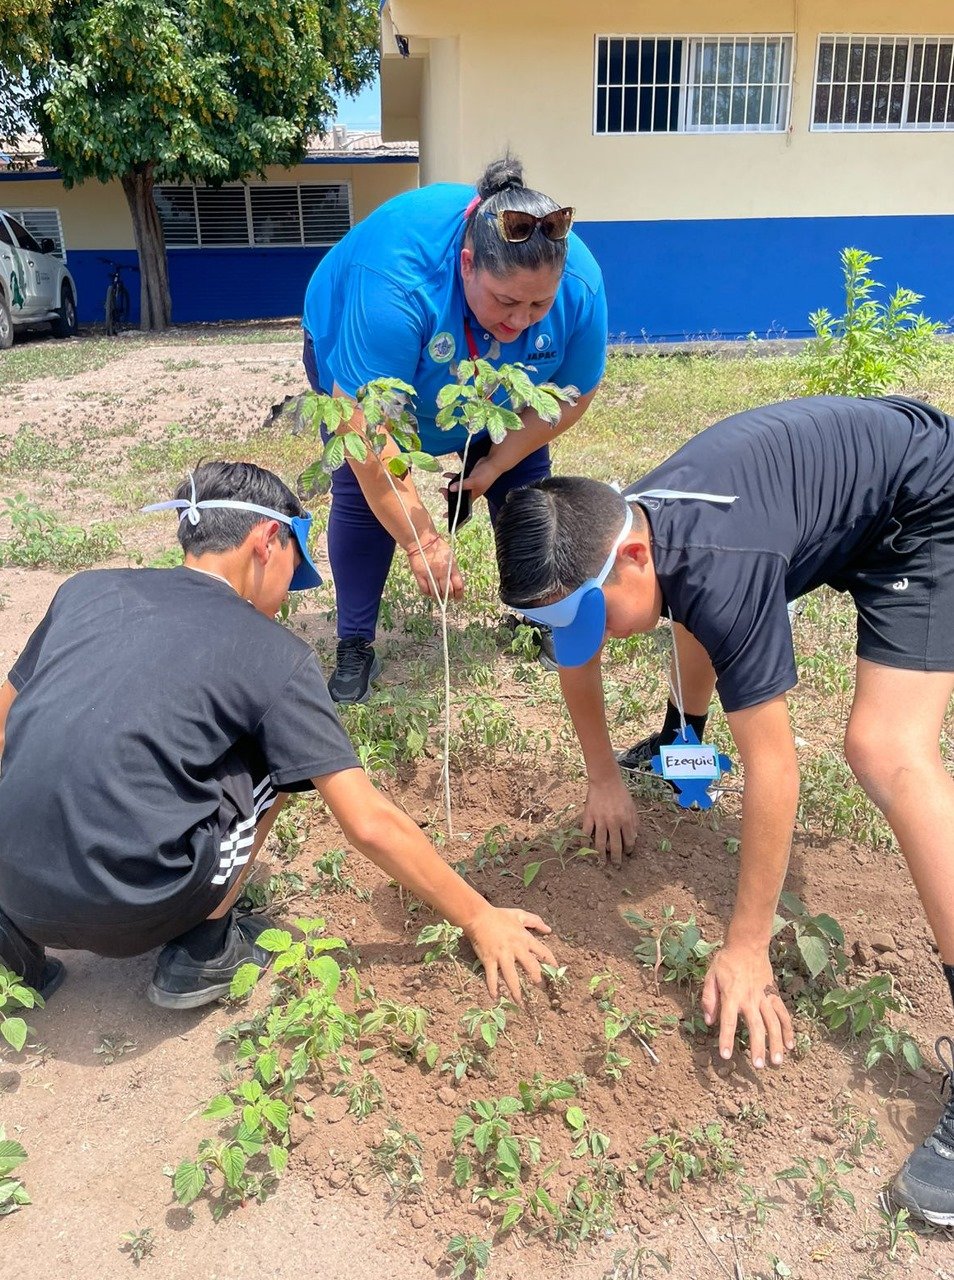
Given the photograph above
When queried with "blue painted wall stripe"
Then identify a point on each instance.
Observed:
(668, 281)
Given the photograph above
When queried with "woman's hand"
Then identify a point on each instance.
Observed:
(502, 939)
(483, 475)
(437, 556)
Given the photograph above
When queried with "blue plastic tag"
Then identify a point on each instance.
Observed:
(691, 767)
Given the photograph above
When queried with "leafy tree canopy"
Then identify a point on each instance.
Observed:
(203, 90)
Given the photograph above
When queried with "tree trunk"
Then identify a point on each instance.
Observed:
(155, 303)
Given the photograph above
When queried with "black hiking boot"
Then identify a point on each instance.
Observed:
(181, 982)
(28, 959)
(638, 759)
(356, 666)
(925, 1183)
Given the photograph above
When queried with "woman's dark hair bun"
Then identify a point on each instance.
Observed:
(505, 174)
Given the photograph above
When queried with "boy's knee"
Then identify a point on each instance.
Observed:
(883, 765)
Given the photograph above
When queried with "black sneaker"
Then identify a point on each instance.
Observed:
(547, 656)
(28, 959)
(356, 666)
(180, 982)
(925, 1183)
(638, 759)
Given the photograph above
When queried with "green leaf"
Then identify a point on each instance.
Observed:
(356, 445)
(508, 1157)
(234, 1161)
(188, 1181)
(463, 1171)
(814, 952)
(219, 1108)
(512, 1216)
(432, 1052)
(278, 1159)
(575, 1118)
(530, 873)
(334, 454)
(276, 1113)
(274, 940)
(482, 1136)
(423, 461)
(398, 466)
(463, 1126)
(244, 980)
(14, 1031)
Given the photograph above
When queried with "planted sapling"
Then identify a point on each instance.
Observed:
(397, 1158)
(825, 1188)
(405, 1026)
(469, 1256)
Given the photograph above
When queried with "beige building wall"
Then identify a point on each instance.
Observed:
(526, 81)
(95, 215)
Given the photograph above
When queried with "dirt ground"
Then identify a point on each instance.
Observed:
(109, 1092)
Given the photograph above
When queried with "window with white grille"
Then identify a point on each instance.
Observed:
(693, 84)
(884, 82)
(243, 216)
(42, 224)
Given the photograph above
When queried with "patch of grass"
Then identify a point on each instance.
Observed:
(30, 361)
(29, 453)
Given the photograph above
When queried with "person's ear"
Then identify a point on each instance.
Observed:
(263, 536)
(467, 269)
(636, 550)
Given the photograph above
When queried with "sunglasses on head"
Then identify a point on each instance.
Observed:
(515, 226)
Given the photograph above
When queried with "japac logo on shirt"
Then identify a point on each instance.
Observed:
(441, 347)
(543, 347)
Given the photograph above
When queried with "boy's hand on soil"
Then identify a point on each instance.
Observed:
(502, 939)
(740, 981)
(609, 818)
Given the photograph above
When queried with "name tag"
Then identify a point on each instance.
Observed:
(682, 761)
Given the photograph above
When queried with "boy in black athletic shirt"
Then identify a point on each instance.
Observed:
(148, 733)
(746, 517)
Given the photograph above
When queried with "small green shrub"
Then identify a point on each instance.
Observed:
(875, 345)
(42, 541)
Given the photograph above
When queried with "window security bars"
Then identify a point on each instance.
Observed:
(243, 216)
(41, 224)
(692, 84)
(884, 82)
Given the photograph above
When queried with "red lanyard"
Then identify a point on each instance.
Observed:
(471, 344)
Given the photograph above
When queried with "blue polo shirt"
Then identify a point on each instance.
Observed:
(388, 302)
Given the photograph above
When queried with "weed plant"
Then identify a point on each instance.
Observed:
(824, 1183)
(13, 1194)
(875, 345)
(15, 997)
(42, 541)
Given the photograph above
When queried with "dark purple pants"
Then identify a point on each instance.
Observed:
(360, 549)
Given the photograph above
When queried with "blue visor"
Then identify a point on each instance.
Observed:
(304, 577)
(579, 619)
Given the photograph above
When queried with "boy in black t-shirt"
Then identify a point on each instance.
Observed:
(746, 517)
(148, 733)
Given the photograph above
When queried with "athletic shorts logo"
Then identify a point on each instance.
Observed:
(441, 347)
(543, 342)
(900, 585)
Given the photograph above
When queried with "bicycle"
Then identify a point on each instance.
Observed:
(117, 302)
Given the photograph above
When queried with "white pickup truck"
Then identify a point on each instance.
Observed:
(35, 286)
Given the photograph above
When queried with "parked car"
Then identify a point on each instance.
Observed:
(35, 286)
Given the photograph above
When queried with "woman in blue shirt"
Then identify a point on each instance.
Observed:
(431, 277)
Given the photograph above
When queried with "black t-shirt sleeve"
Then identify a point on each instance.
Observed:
(744, 626)
(300, 735)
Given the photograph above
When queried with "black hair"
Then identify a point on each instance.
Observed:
(222, 528)
(502, 187)
(553, 535)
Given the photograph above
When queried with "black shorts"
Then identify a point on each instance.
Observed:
(903, 587)
(217, 852)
